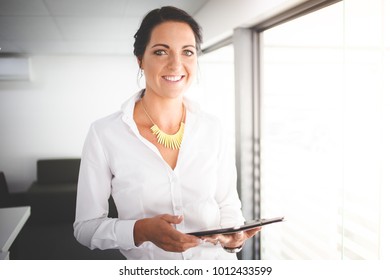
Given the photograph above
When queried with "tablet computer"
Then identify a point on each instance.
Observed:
(247, 225)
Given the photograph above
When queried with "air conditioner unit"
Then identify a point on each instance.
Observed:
(14, 68)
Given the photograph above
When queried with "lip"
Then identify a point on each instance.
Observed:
(173, 78)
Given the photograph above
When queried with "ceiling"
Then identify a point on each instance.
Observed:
(76, 26)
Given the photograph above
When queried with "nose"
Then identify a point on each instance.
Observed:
(174, 62)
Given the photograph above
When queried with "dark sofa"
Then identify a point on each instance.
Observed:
(48, 234)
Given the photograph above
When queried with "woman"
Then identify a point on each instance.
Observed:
(162, 159)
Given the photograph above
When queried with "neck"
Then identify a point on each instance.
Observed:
(167, 113)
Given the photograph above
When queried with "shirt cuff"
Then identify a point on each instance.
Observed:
(124, 234)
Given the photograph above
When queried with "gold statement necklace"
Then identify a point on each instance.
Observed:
(171, 141)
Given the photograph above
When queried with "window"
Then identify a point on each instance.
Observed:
(324, 124)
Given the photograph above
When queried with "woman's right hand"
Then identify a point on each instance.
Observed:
(162, 233)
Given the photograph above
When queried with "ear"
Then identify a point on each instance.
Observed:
(139, 60)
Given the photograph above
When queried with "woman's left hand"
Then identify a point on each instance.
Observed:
(234, 240)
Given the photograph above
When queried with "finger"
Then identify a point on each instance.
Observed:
(179, 237)
(238, 235)
(211, 238)
(214, 241)
(172, 219)
(179, 247)
(183, 242)
(221, 239)
(228, 239)
(186, 238)
(250, 233)
(193, 241)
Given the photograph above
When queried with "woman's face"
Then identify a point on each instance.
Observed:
(170, 59)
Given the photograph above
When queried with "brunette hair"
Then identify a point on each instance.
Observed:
(158, 16)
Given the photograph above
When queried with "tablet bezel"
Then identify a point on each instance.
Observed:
(229, 230)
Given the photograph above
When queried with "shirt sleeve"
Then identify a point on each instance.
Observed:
(92, 227)
(227, 195)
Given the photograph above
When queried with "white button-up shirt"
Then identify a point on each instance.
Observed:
(118, 161)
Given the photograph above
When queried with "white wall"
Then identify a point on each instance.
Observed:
(49, 116)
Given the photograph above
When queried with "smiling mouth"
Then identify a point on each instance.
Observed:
(175, 78)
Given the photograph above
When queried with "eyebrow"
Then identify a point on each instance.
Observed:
(167, 47)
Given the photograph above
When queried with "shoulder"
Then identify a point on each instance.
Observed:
(210, 121)
(119, 118)
(204, 118)
(106, 122)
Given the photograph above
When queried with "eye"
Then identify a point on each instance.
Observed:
(160, 52)
(188, 53)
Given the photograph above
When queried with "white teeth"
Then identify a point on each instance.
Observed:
(172, 78)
